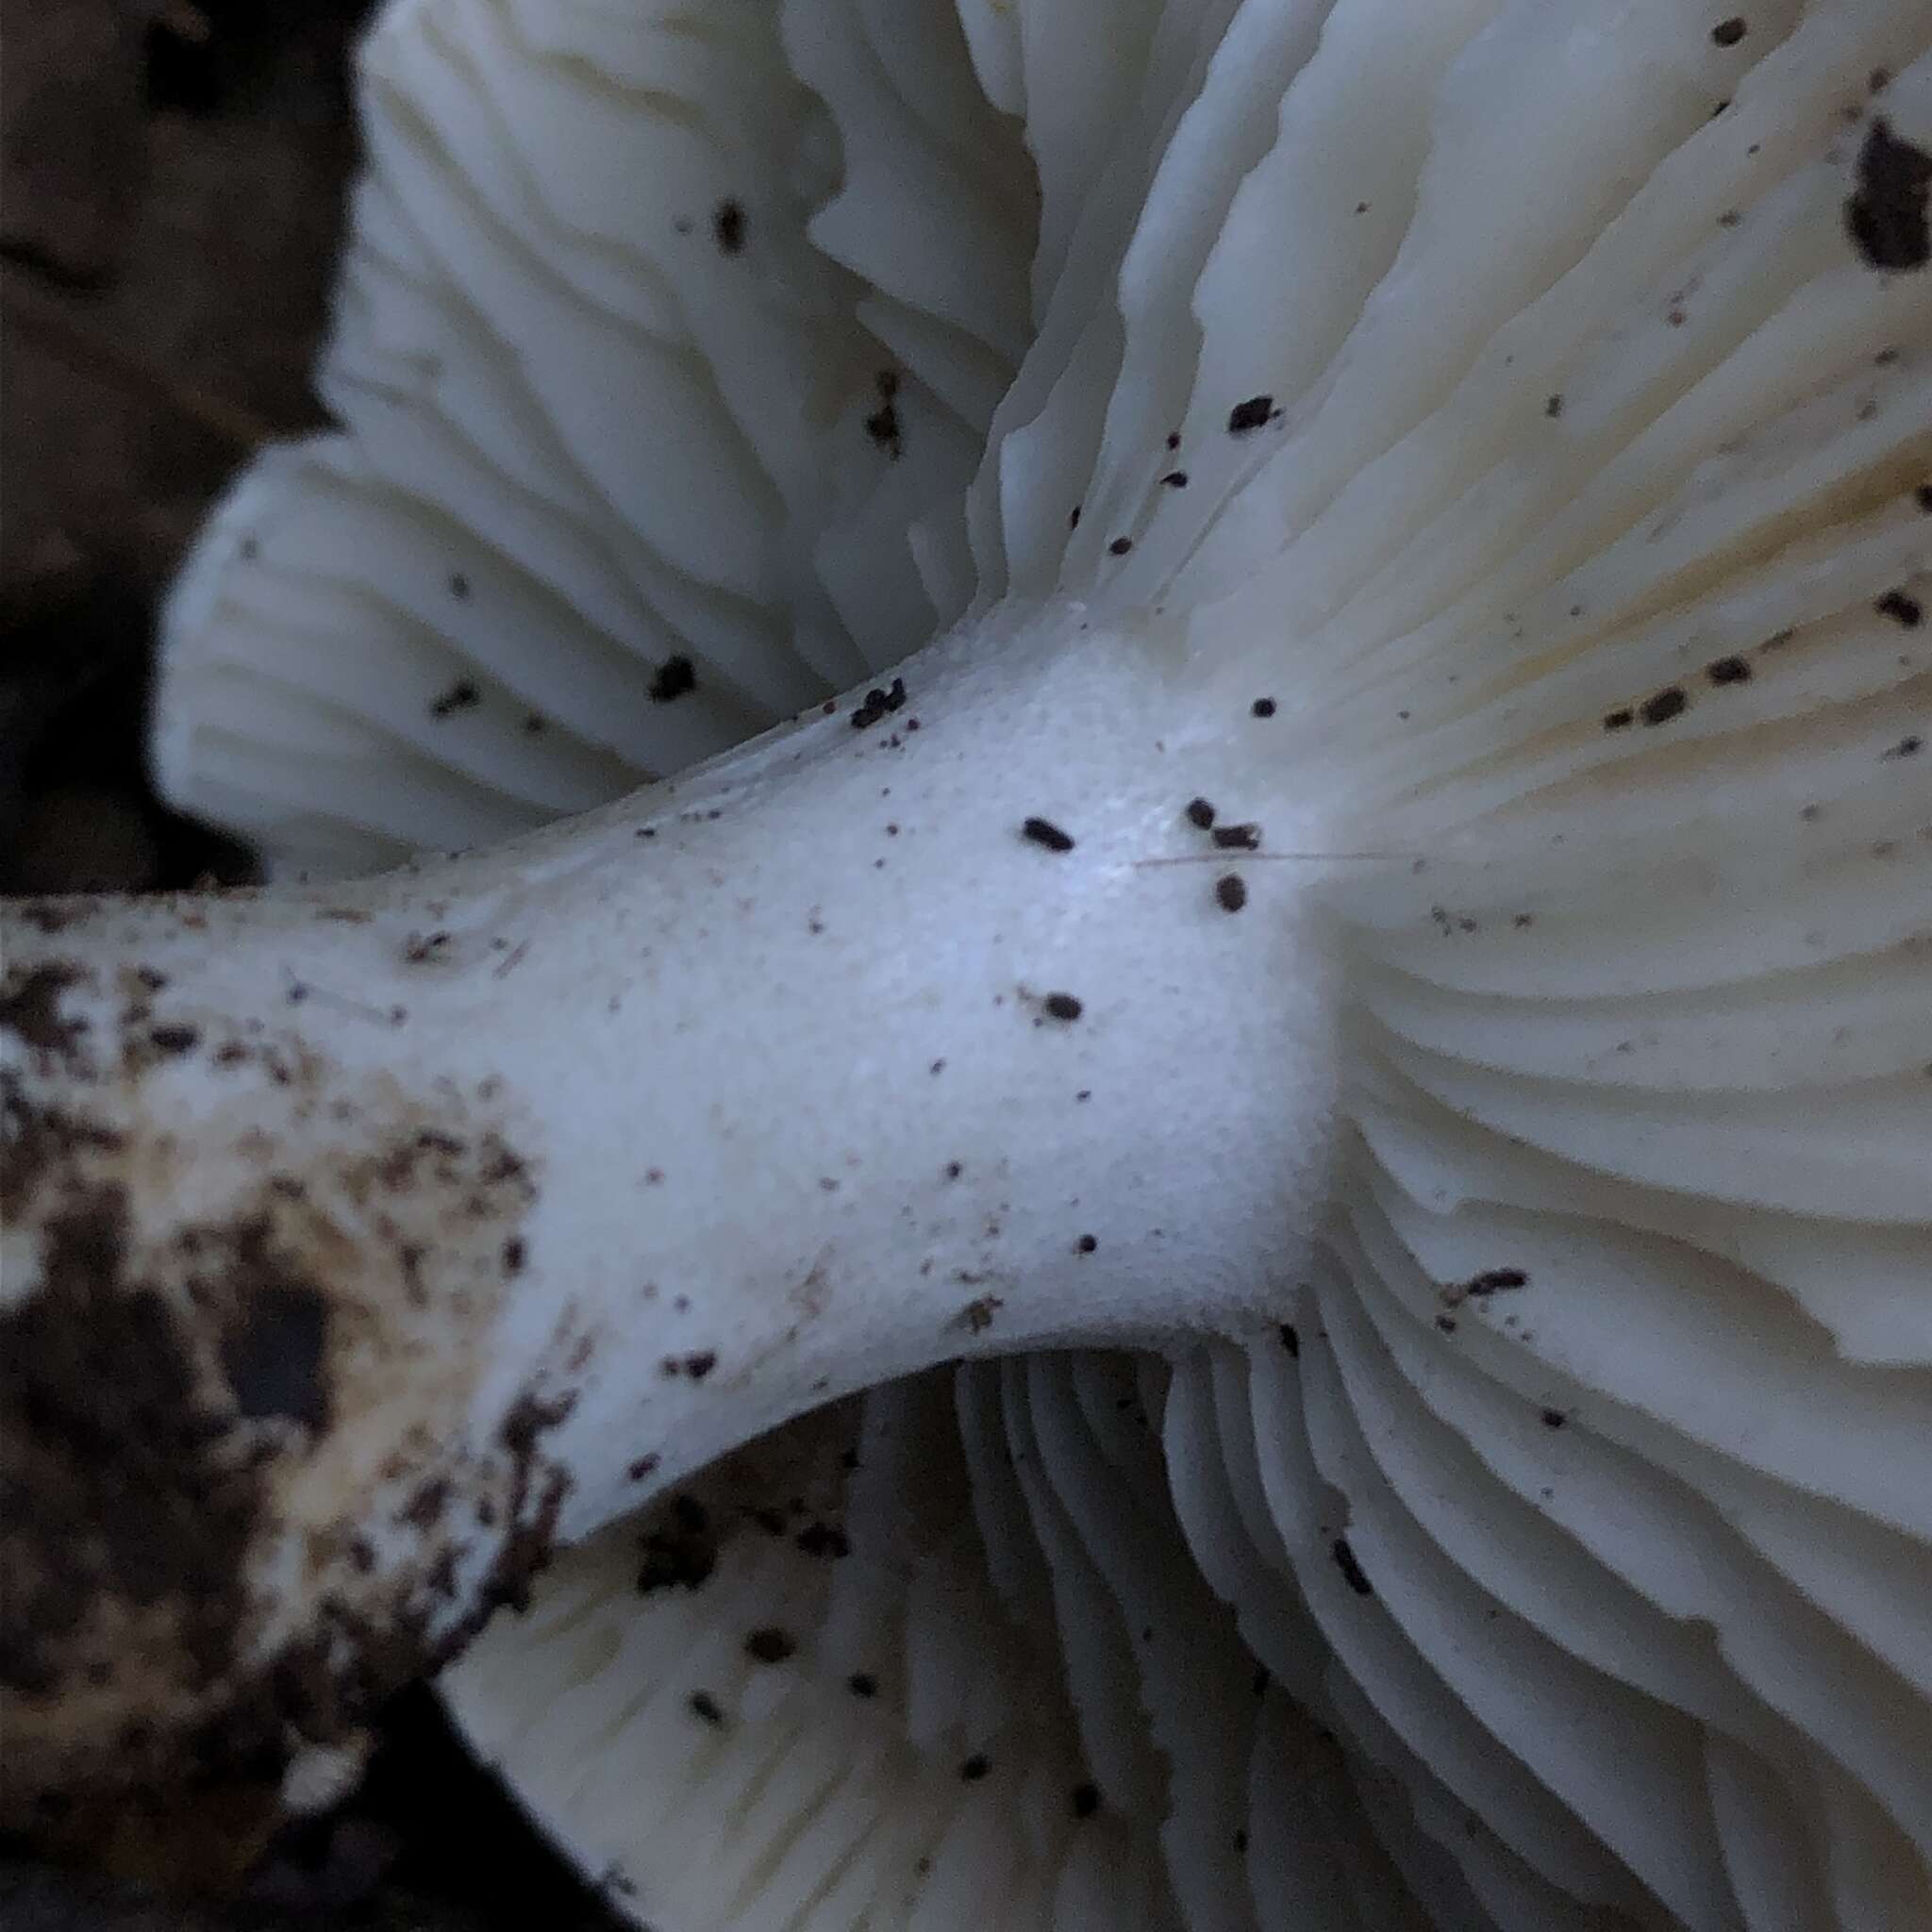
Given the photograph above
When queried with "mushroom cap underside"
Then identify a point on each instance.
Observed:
(1535, 406)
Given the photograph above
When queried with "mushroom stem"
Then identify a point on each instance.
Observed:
(364, 1242)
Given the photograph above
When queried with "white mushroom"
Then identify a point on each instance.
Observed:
(1408, 910)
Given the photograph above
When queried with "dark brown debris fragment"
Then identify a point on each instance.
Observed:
(273, 1354)
(1064, 1006)
(675, 679)
(1902, 608)
(1200, 813)
(1352, 1572)
(461, 696)
(1885, 213)
(770, 1646)
(1230, 891)
(1044, 832)
(1727, 33)
(680, 1548)
(825, 1540)
(1491, 1280)
(1241, 838)
(1731, 670)
(1662, 706)
(727, 225)
(878, 705)
(30, 1009)
(1249, 415)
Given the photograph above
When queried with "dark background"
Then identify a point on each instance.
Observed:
(172, 184)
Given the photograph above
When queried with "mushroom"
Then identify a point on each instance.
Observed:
(1444, 1382)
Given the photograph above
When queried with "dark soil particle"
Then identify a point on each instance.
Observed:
(173, 1040)
(727, 225)
(878, 705)
(1922, 497)
(1885, 214)
(705, 1705)
(272, 1355)
(974, 1768)
(1493, 1281)
(1902, 608)
(30, 1009)
(1242, 838)
(1666, 704)
(675, 679)
(1352, 1572)
(770, 1646)
(1175, 479)
(1249, 415)
(1263, 707)
(106, 1426)
(1908, 748)
(1044, 832)
(1085, 1800)
(1727, 33)
(1200, 813)
(1119, 546)
(1230, 893)
(461, 696)
(1291, 1338)
(1553, 406)
(1061, 1006)
(862, 1683)
(1728, 671)
(458, 585)
(823, 1539)
(1620, 719)
(1554, 1418)
(680, 1548)
(1087, 1243)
